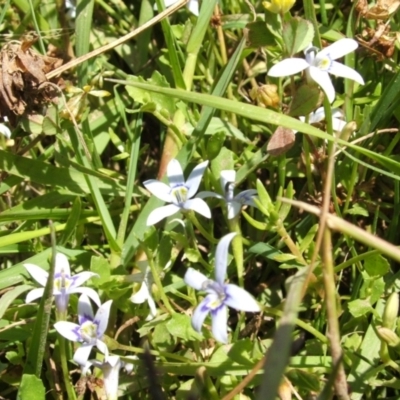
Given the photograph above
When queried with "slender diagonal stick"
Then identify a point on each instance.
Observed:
(123, 39)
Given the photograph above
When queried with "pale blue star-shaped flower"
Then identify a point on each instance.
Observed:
(319, 65)
(179, 193)
(64, 284)
(193, 5)
(219, 294)
(233, 203)
(89, 331)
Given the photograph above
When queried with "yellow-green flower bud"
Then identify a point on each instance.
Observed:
(266, 96)
(279, 6)
(388, 336)
(391, 311)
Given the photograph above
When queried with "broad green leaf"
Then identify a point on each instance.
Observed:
(304, 101)
(8, 297)
(180, 326)
(31, 388)
(359, 307)
(376, 265)
(298, 33)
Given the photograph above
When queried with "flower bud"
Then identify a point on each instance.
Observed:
(278, 6)
(266, 96)
(391, 311)
(347, 131)
(388, 336)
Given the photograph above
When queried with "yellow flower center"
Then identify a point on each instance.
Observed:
(180, 194)
(88, 331)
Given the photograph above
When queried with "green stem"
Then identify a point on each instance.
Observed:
(237, 248)
(192, 218)
(62, 343)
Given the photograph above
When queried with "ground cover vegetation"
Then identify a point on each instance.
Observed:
(199, 199)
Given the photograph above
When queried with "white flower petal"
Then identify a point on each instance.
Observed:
(219, 324)
(205, 194)
(102, 348)
(240, 299)
(246, 197)
(227, 176)
(160, 213)
(85, 310)
(200, 314)
(198, 205)
(69, 330)
(111, 376)
(141, 295)
(79, 279)
(338, 124)
(193, 7)
(62, 264)
(88, 292)
(344, 71)
(287, 67)
(37, 273)
(152, 306)
(324, 81)
(82, 354)
(34, 294)
(5, 130)
(317, 116)
(338, 49)
(101, 318)
(233, 209)
(194, 179)
(221, 257)
(195, 279)
(159, 189)
(175, 173)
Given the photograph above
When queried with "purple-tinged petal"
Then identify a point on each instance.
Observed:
(338, 49)
(62, 265)
(81, 355)
(324, 81)
(221, 257)
(85, 310)
(101, 318)
(246, 197)
(160, 213)
(200, 314)
(175, 173)
(344, 71)
(205, 194)
(91, 293)
(37, 273)
(69, 330)
(79, 279)
(199, 206)
(288, 67)
(195, 279)
(34, 294)
(219, 324)
(240, 299)
(158, 189)
(194, 179)
(233, 208)
(61, 301)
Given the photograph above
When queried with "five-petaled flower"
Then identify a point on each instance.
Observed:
(179, 193)
(319, 115)
(89, 331)
(319, 65)
(64, 284)
(219, 294)
(193, 5)
(233, 203)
